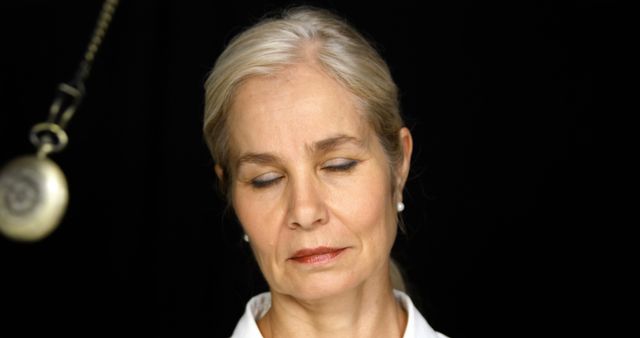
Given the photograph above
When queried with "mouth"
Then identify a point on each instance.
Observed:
(318, 255)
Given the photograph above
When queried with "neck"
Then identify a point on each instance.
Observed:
(369, 310)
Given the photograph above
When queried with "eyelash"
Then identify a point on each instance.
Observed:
(259, 184)
(344, 167)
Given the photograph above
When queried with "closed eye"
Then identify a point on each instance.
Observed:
(266, 180)
(339, 165)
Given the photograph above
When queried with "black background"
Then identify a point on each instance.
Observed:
(504, 100)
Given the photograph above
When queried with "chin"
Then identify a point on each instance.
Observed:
(314, 288)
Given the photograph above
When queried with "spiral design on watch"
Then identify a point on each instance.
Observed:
(20, 192)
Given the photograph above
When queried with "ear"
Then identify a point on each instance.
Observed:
(406, 142)
(219, 172)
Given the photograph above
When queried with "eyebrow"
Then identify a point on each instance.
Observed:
(255, 158)
(331, 143)
(322, 146)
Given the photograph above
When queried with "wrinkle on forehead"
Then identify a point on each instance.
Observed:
(288, 94)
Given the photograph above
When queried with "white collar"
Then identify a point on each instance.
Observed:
(417, 326)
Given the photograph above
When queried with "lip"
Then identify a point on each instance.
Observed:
(317, 255)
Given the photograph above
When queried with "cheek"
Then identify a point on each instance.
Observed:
(365, 208)
(255, 211)
(259, 217)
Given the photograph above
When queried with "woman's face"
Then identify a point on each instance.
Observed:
(312, 185)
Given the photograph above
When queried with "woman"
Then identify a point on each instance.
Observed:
(302, 119)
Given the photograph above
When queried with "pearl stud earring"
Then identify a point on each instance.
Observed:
(246, 238)
(400, 206)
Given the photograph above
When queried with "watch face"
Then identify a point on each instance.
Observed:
(33, 198)
(20, 190)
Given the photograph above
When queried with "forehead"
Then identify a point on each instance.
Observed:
(290, 110)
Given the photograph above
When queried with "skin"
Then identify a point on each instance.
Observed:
(310, 172)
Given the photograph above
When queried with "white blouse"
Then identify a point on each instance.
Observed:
(417, 326)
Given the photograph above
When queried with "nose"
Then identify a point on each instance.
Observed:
(307, 206)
